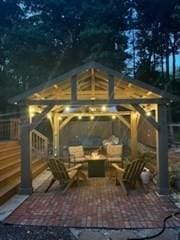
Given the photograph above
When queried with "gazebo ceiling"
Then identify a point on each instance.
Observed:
(92, 83)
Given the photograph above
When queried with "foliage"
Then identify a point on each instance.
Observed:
(41, 39)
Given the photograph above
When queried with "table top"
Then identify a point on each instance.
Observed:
(95, 157)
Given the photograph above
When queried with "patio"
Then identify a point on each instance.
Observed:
(97, 203)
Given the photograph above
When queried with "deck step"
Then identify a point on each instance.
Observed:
(9, 155)
(8, 166)
(9, 190)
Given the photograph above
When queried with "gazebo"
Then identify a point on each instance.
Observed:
(93, 84)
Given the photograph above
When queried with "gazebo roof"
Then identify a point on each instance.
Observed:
(92, 83)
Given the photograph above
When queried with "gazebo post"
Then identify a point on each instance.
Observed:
(134, 141)
(55, 135)
(162, 150)
(26, 172)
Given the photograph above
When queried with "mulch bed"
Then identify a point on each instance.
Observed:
(21, 232)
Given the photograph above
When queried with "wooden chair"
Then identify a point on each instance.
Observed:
(66, 177)
(76, 154)
(130, 175)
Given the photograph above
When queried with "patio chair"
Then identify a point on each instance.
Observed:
(66, 177)
(76, 154)
(114, 153)
(130, 175)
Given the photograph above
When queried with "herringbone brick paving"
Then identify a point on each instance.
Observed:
(96, 203)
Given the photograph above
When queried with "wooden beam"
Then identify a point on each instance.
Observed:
(39, 118)
(111, 87)
(55, 127)
(25, 140)
(63, 124)
(148, 118)
(100, 114)
(74, 88)
(92, 80)
(123, 120)
(134, 135)
(89, 102)
(162, 150)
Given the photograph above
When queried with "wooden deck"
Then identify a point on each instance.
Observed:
(10, 169)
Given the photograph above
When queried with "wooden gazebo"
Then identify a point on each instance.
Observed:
(97, 85)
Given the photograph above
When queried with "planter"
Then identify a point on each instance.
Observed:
(145, 176)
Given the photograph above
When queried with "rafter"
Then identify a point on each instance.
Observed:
(150, 119)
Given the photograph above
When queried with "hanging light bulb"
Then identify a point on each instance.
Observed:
(113, 117)
(60, 118)
(79, 117)
(103, 108)
(67, 109)
(148, 113)
(92, 117)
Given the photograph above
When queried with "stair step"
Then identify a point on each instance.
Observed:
(8, 166)
(10, 148)
(38, 169)
(10, 176)
(10, 156)
(8, 191)
(8, 144)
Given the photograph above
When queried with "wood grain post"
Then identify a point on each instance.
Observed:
(26, 171)
(162, 150)
(56, 135)
(134, 136)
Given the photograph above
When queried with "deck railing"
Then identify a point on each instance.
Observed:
(9, 129)
(39, 144)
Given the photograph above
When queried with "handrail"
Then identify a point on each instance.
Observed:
(10, 129)
(39, 144)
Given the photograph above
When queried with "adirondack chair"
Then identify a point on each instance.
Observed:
(66, 177)
(130, 175)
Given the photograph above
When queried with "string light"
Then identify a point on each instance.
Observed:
(103, 108)
(79, 117)
(113, 117)
(67, 109)
(148, 114)
(92, 117)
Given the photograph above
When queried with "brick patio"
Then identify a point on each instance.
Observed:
(96, 203)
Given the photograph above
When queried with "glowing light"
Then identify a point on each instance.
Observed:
(103, 108)
(148, 113)
(113, 117)
(15, 103)
(31, 111)
(60, 118)
(79, 117)
(92, 117)
(67, 109)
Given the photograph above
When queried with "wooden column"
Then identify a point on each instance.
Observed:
(55, 135)
(73, 88)
(25, 139)
(134, 140)
(162, 149)
(111, 87)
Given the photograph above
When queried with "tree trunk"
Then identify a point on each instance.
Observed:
(173, 62)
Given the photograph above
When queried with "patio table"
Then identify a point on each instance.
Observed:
(96, 165)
